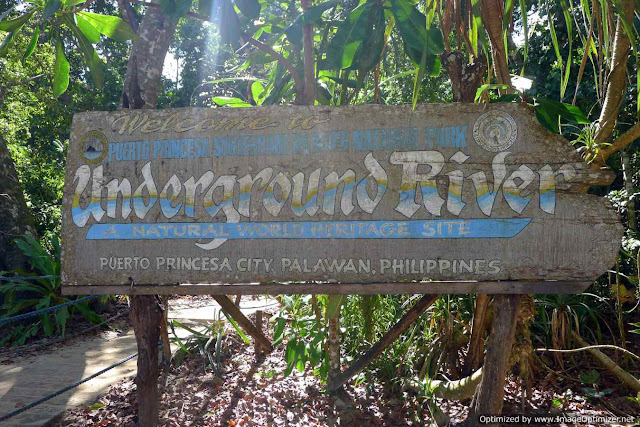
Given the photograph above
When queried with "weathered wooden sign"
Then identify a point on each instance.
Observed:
(361, 199)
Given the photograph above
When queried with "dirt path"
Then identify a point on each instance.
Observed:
(27, 380)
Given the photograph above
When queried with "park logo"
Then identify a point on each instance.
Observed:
(495, 131)
(93, 147)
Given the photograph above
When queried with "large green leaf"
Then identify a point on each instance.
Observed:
(4, 46)
(371, 51)
(350, 83)
(294, 33)
(230, 31)
(311, 15)
(12, 24)
(411, 24)
(278, 331)
(549, 112)
(50, 8)
(90, 55)
(225, 101)
(32, 44)
(89, 314)
(249, 8)
(60, 71)
(89, 31)
(111, 26)
(290, 351)
(350, 34)
(314, 13)
(258, 92)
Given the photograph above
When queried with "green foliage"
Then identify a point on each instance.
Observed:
(23, 296)
(32, 45)
(175, 8)
(350, 37)
(85, 29)
(249, 8)
(305, 335)
(230, 31)
(587, 313)
(550, 112)
(225, 101)
(206, 342)
(110, 26)
(60, 71)
(417, 36)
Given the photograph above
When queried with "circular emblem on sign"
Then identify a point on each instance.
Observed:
(93, 147)
(495, 131)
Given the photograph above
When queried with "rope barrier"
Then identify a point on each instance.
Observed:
(10, 278)
(45, 343)
(63, 390)
(45, 310)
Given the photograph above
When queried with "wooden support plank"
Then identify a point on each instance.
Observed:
(237, 315)
(442, 287)
(146, 317)
(259, 351)
(490, 392)
(164, 333)
(403, 324)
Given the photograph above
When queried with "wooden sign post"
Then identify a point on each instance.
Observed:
(368, 199)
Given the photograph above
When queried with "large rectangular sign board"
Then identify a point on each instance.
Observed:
(361, 199)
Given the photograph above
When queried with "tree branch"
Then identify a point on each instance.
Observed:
(617, 82)
(248, 39)
(82, 7)
(3, 88)
(24, 81)
(620, 142)
(589, 347)
(129, 14)
(309, 63)
(285, 63)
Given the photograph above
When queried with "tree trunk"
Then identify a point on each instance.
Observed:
(490, 392)
(141, 86)
(144, 69)
(627, 174)
(492, 15)
(465, 78)
(15, 217)
(475, 355)
(146, 317)
(617, 83)
(309, 62)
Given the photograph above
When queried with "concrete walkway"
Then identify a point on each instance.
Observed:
(26, 381)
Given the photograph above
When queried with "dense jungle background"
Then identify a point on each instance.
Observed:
(574, 61)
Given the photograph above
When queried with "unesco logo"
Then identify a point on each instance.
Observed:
(495, 131)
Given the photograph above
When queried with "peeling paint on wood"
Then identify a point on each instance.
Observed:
(475, 194)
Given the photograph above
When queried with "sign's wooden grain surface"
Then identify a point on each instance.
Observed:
(290, 196)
